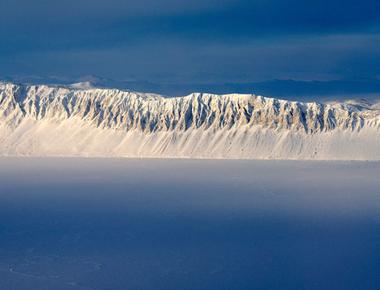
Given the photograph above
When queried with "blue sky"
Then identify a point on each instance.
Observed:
(179, 46)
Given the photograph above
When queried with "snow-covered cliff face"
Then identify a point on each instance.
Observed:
(105, 122)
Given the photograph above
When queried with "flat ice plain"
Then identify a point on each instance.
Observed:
(188, 224)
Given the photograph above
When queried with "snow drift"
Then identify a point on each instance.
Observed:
(76, 121)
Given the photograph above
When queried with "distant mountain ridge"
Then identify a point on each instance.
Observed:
(300, 90)
(79, 120)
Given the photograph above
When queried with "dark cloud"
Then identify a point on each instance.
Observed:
(302, 58)
(191, 41)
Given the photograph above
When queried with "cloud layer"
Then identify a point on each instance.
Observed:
(166, 41)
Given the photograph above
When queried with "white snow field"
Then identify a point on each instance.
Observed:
(96, 224)
(82, 121)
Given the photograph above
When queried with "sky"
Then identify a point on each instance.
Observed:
(275, 46)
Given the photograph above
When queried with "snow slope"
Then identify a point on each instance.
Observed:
(84, 121)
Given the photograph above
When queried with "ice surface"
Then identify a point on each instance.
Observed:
(188, 224)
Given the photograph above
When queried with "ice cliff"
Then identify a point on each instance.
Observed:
(70, 121)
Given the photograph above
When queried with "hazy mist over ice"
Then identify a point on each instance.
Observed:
(188, 224)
